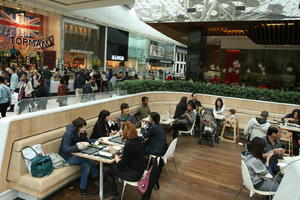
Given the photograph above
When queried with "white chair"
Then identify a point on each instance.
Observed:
(190, 132)
(247, 182)
(129, 183)
(170, 153)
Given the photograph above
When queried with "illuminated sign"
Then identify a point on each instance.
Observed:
(114, 57)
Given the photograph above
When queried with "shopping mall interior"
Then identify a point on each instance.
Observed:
(149, 99)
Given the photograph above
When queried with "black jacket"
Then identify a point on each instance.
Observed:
(197, 103)
(132, 165)
(180, 110)
(79, 82)
(100, 130)
(156, 143)
(69, 140)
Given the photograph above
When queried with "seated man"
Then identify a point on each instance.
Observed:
(143, 111)
(157, 142)
(257, 127)
(195, 100)
(187, 120)
(73, 141)
(274, 145)
(125, 115)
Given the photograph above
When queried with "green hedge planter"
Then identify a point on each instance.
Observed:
(137, 86)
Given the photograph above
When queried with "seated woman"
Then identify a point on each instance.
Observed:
(294, 117)
(132, 165)
(157, 142)
(187, 120)
(257, 165)
(219, 108)
(125, 115)
(181, 107)
(73, 141)
(102, 127)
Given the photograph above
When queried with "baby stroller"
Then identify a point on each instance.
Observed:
(208, 127)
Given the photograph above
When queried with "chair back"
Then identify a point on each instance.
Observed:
(171, 150)
(246, 177)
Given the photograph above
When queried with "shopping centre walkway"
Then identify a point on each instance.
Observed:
(203, 173)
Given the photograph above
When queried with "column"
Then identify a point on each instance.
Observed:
(195, 55)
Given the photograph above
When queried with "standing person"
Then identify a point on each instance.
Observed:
(104, 81)
(25, 92)
(73, 141)
(143, 110)
(47, 74)
(79, 82)
(66, 77)
(98, 81)
(14, 83)
(186, 122)
(5, 97)
(87, 90)
(273, 144)
(132, 164)
(102, 128)
(258, 126)
(257, 165)
(41, 93)
(110, 74)
(113, 81)
(157, 142)
(61, 93)
(181, 107)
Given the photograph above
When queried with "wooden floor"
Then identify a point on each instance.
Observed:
(203, 173)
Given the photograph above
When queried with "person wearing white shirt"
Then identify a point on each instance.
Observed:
(219, 108)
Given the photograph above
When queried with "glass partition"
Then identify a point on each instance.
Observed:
(38, 104)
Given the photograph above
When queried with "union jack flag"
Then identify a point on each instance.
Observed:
(21, 25)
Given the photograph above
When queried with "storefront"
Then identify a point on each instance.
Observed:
(82, 45)
(138, 53)
(28, 39)
(117, 49)
(161, 59)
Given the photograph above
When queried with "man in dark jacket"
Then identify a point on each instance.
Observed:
(87, 91)
(156, 143)
(79, 82)
(74, 140)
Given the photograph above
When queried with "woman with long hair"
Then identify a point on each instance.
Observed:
(219, 108)
(102, 128)
(181, 107)
(132, 164)
(257, 162)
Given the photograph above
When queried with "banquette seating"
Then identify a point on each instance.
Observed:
(18, 178)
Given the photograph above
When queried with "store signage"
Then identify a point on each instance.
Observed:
(157, 51)
(114, 57)
(81, 51)
(36, 43)
(79, 61)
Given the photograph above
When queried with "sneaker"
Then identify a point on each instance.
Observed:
(84, 194)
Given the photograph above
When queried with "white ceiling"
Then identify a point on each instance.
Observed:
(71, 5)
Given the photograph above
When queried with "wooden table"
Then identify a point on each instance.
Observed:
(101, 161)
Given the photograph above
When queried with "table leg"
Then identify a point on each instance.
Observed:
(101, 181)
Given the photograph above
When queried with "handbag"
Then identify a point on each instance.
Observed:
(142, 185)
(57, 161)
(40, 165)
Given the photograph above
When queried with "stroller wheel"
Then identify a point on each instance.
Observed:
(200, 141)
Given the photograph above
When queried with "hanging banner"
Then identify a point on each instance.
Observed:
(38, 44)
(19, 24)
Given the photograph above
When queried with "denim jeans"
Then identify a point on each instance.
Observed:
(86, 166)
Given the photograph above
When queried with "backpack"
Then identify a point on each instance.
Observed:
(142, 185)
(40, 165)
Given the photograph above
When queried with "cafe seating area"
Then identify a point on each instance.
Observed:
(202, 169)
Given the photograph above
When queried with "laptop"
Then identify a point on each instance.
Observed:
(117, 139)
